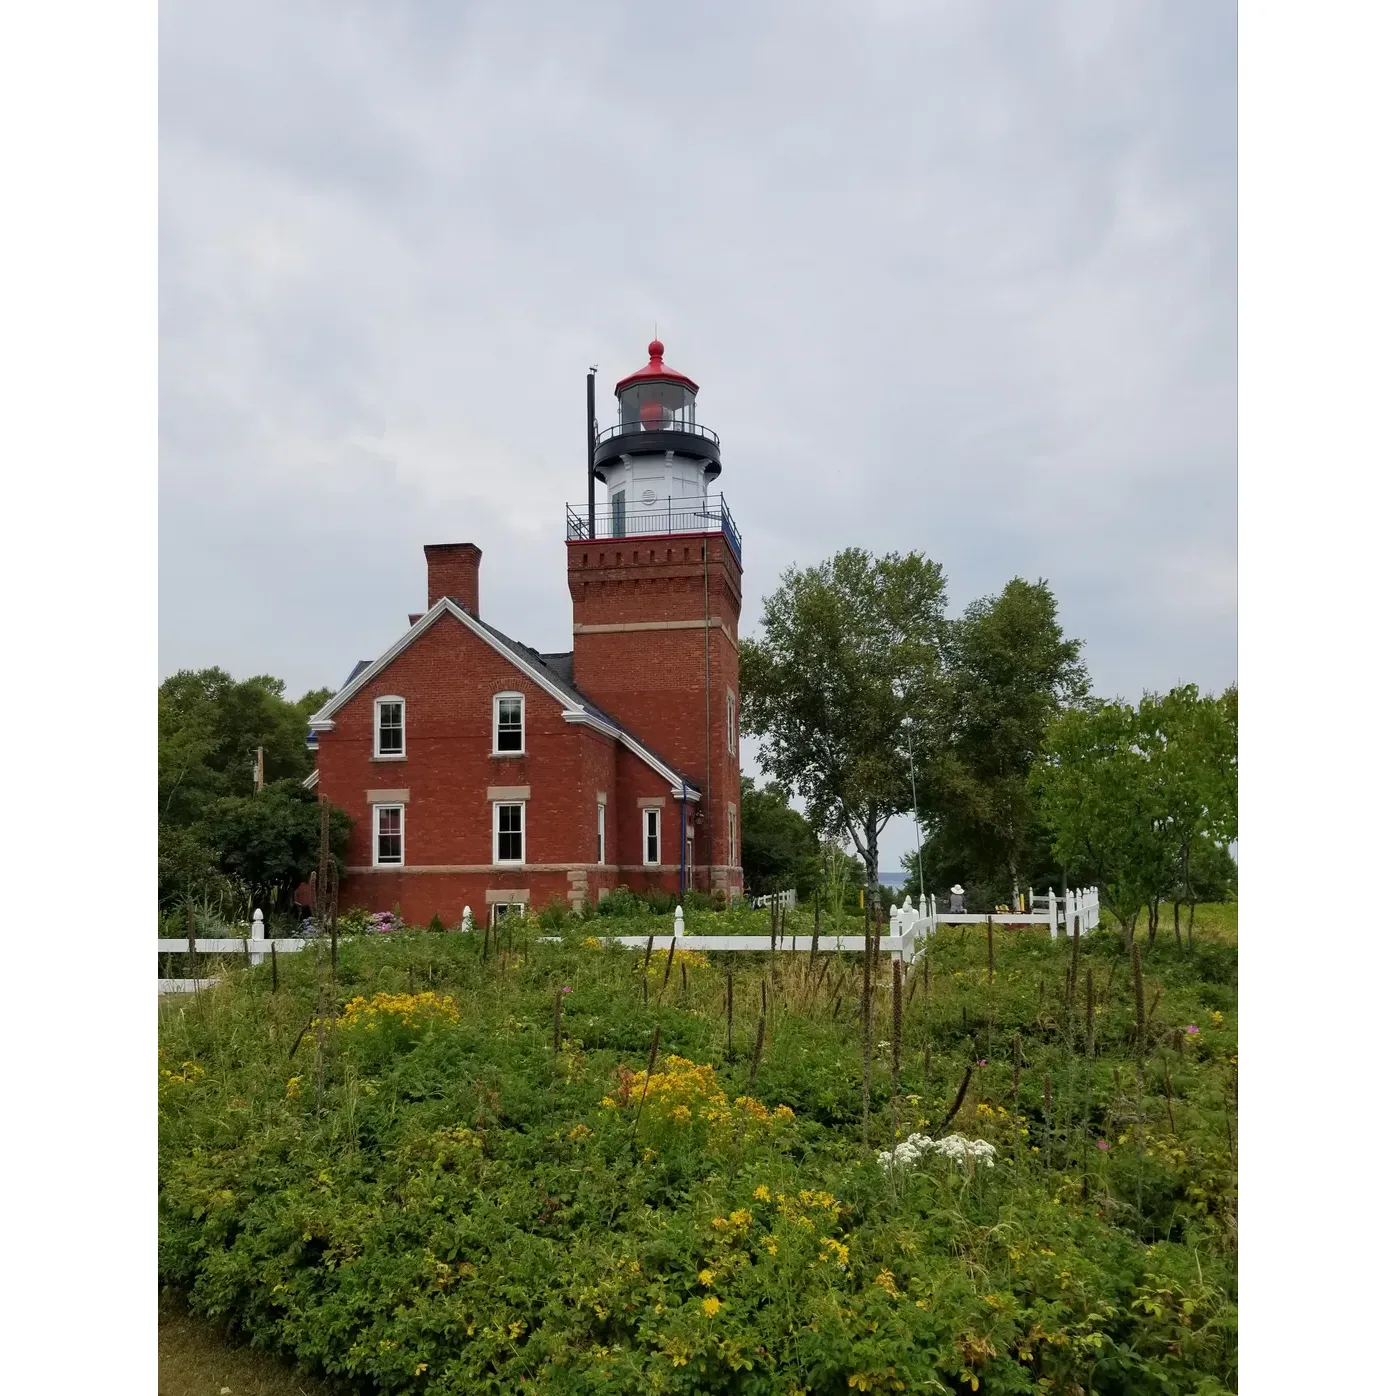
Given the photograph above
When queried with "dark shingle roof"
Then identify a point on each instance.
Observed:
(557, 669)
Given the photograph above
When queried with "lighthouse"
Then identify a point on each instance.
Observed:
(655, 573)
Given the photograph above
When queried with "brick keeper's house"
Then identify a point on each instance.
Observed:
(482, 773)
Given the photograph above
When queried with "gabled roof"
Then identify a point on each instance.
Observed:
(547, 671)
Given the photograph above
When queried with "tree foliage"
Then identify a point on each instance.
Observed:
(1136, 798)
(850, 649)
(1011, 670)
(270, 841)
(780, 848)
(210, 727)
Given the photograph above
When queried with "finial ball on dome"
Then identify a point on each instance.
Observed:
(656, 349)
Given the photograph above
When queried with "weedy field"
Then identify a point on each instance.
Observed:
(452, 1163)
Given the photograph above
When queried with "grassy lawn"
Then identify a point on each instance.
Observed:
(467, 1167)
(196, 1359)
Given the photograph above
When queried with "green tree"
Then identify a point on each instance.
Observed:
(1191, 742)
(1100, 798)
(270, 841)
(1011, 671)
(1134, 797)
(780, 848)
(210, 727)
(850, 648)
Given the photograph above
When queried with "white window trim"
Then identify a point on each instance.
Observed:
(523, 832)
(500, 910)
(523, 726)
(402, 834)
(378, 753)
(601, 833)
(731, 723)
(646, 814)
(734, 852)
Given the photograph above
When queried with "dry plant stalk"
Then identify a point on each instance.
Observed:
(1075, 964)
(333, 918)
(896, 1028)
(275, 984)
(1141, 1019)
(991, 947)
(867, 1019)
(668, 966)
(1168, 1096)
(729, 1012)
(645, 970)
(814, 939)
(1047, 1113)
(756, 1051)
(1090, 1014)
(926, 1069)
(683, 976)
(645, 1090)
(1158, 994)
(959, 1100)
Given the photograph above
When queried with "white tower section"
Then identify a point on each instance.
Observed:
(656, 462)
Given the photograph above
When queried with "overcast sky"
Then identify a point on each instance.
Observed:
(952, 277)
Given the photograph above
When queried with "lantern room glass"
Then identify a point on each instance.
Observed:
(657, 407)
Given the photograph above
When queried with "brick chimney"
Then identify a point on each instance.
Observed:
(453, 569)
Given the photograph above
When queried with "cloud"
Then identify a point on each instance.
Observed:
(957, 278)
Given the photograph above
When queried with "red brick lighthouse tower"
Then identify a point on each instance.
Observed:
(655, 572)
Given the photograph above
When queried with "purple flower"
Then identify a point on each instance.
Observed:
(983, 1061)
(1192, 1028)
(1103, 1145)
(566, 988)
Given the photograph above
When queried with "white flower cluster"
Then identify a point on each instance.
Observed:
(956, 1146)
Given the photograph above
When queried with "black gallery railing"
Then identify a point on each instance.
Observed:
(624, 519)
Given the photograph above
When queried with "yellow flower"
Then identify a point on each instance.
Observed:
(770, 1244)
(293, 1088)
(591, 943)
(829, 1249)
(1217, 1017)
(421, 1367)
(682, 1114)
(885, 1280)
(720, 1223)
(762, 1194)
(710, 1306)
(783, 1113)
(741, 1217)
(706, 1277)
(579, 1132)
(516, 1328)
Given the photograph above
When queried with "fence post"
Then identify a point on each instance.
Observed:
(259, 932)
(1052, 910)
(922, 905)
(467, 919)
(678, 922)
(933, 914)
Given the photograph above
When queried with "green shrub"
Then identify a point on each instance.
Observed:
(425, 1197)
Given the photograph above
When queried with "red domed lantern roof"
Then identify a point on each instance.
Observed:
(656, 371)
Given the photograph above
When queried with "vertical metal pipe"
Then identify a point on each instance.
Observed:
(591, 454)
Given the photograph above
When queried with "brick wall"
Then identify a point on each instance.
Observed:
(638, 610)
(447, 680)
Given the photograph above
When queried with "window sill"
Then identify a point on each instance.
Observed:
(399, 756)
(507, 863)
(389, 865)
(506, 755)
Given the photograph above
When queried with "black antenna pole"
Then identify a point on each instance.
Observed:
(591, 454)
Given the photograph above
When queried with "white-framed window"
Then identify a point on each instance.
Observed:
(389, 727)
(388, 836)
(502, 911)
(734, 852)
(600, 832)
(731, 723)
(508, 722)
(508, 831)
(651, 850)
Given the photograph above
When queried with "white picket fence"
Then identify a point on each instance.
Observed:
(781, 899)
(909, 929)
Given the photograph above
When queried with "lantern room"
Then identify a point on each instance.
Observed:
(656, 398)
